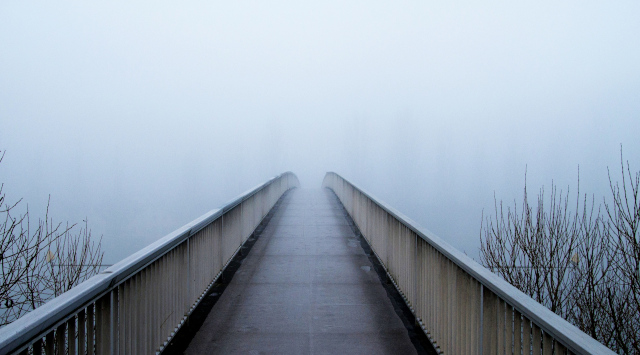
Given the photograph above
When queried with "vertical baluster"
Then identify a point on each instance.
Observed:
(166, 296)
(526, 336)
(536, 340)
(442, 319)
(157, 299)
(90, 329)
(547, 342)
(144, 313)
(215, 249)
(501, 326)
(424, 314)
(61, 332)
(153, 300)
(82, 348)
(426, 286)
(186, 271)
(151, 310)
(172, 291)
(470, 311)
(49, 344)
(181, 280)
(158, 303)
(517, 332)
(476, 327)
(559, 349)
(439, 305)
(489, 322)
(510, 330)
(71, 335)
(170, 294)
(103, 324)
(160, 311)
(108, 325)
(458, 334)
(122, 318)
(429, 315)
(453, 308)
(447, 286)
(37, 347)
(195, 246)
(115, 323)
(132, 315)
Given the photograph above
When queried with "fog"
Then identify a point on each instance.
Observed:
(141, 117)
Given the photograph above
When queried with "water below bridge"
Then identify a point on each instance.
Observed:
(306, 287)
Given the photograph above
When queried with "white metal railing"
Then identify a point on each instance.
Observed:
(137, 305)
(462, 307)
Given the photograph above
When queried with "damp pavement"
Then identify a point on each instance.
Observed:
(306, 287)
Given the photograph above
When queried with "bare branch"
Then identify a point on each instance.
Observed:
(29, 276)
(582, 264)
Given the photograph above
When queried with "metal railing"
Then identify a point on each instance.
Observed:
(137, 305)
(461, 306)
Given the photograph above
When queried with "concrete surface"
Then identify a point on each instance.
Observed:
(306, 287)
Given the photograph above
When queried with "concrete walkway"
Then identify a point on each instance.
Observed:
(306, 287)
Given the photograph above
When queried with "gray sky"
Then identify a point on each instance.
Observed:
(143, 116)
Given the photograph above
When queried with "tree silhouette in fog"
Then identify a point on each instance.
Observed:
(579, 259)
(40, 260)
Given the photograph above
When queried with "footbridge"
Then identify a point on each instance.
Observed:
(282, 269)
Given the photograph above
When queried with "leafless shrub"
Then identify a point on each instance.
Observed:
(623, 216)
(581, 263)
(42, 261)
(532, 249)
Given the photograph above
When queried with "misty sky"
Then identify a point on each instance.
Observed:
(141, 117)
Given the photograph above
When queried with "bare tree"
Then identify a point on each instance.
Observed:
(623, 232)
(40, 261)
(532, 249)
(582, 264)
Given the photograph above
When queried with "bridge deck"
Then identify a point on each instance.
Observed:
(306, 287)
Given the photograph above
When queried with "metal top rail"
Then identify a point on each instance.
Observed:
(59, 309)
(550, 322)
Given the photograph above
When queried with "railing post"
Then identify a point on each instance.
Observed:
(489, 323)
(526, 336)
(188, 273)
(481, 332)
(222, 246)
(103, 325)
(122, 327)
(241, 225)
(60, 339)
(71, 335)
(91, 314)
(49, 344)
(517, 331)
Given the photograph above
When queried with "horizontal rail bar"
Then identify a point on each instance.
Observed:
(423, 272)
(147, 296)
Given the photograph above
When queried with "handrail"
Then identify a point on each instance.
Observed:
(244, 212)
(371, 215)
